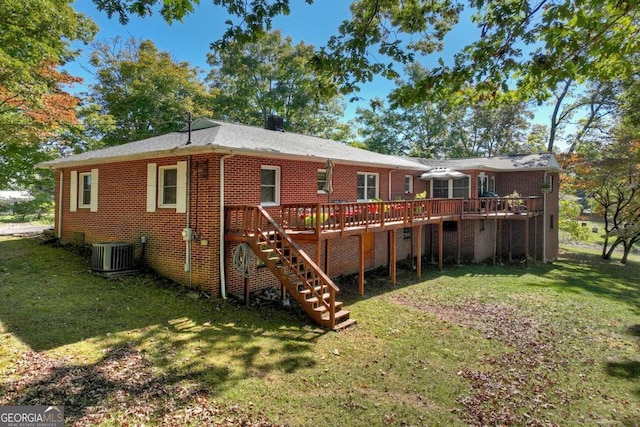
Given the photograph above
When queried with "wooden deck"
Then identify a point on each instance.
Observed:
(316, 222)
(319, 223)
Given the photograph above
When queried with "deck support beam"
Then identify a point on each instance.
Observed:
(526, 243)
(419, 252)
(440, 245)
(326, 257)
(459, 228)
(361, 265)
(392, 256)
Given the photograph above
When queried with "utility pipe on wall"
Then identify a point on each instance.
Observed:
(544, 221)
(221, 257)
(60, 210)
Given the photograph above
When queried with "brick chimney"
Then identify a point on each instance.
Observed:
(275, 123)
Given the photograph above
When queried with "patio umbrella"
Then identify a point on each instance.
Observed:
(442, 173)
(328, 185)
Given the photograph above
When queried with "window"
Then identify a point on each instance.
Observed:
(408, 184)
(450, 188)
(461, 188)
(85, 190)
(322, 180)
(440, 189)
(367, 186)
(483, 183)
(492, 188)
(450, 226)
(270, 186)
(168, 186)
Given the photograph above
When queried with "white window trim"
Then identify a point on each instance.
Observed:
(325, 180)
(161, 170)
(450, 187)
(410, 191)
(81, 203)
(277, 186)
(76, 187)
(377, 175)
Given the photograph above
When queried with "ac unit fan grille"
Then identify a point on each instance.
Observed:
(108, 257)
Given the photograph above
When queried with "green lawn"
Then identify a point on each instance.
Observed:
(478, 345)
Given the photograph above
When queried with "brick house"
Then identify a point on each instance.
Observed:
(230, 208)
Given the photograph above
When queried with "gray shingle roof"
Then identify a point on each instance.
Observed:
(240, 139)
(545, 162)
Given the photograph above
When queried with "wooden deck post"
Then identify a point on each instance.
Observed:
(392, 256)
(526, 243)
(440, 244)
(361, 267)
(326, 257)
(510, 241)
(459, 228)
(419, 252)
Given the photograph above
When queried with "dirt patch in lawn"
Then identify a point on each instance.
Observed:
(122, 389)
(519, 387)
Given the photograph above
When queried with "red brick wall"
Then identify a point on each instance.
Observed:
(122, 215)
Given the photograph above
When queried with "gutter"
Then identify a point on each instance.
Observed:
(221, 257)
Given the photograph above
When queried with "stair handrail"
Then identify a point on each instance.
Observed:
(333, 289)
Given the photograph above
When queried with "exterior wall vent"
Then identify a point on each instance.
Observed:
(107, 257)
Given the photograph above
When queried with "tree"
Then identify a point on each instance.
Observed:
(35, 39)
(271, 76)
(613, 182)
(140, 92)
(539, 45)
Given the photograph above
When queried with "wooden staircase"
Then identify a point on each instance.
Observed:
(314, 291)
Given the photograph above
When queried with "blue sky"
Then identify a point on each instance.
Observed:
(189, 40)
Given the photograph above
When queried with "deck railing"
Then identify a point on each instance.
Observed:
(321, 217)
(317, 218)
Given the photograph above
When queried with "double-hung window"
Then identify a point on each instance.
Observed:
(270, 185)
(322, 180)
(168, 186)
(84, 200)
(408, 184)
(367, 186)
(83, 191)
(440, 189)
(450, 188)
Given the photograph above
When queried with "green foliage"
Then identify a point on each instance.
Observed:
(271, 76)
(140, 92)
(310, 220)
(35, 40)
(568, 220)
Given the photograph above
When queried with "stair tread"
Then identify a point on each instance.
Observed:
(339, 314)
(344, 325)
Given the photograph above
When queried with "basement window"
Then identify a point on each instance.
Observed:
(450, 226)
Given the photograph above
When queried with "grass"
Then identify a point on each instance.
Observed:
(475, 345)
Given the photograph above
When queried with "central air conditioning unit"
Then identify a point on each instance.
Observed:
(108, 257)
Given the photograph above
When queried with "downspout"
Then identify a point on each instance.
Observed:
(223, 278)
(544, 222)
(187, 266)
(60, 210)
(390, 172)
